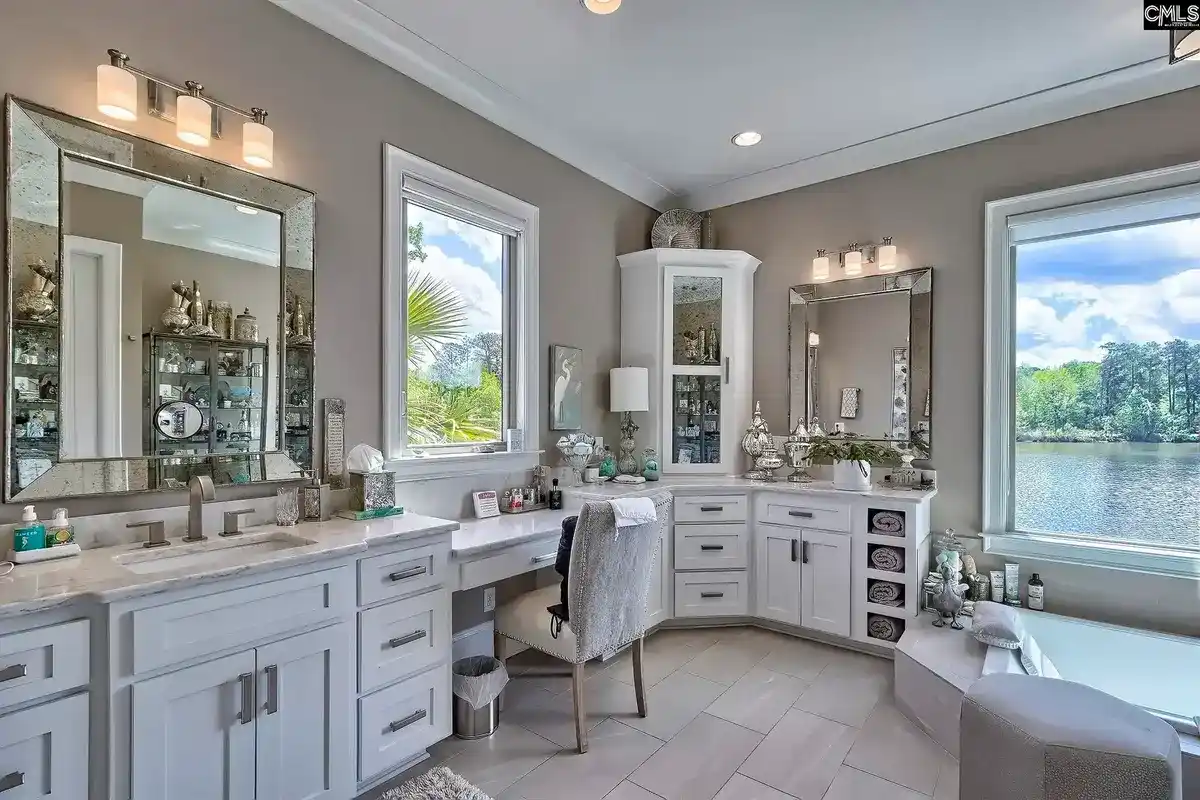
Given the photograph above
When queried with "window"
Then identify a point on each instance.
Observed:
(1092, 395)
(460, 319)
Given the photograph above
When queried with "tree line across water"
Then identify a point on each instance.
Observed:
(1147, 392)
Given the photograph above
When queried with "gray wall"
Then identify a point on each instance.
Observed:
(332, 109)
(933, 206)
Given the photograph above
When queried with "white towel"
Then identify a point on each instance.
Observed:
(633, 511)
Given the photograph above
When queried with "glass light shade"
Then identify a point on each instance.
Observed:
(116, 93)
(820, 270)
(602, 6)
(193, 120)
(853, 263)
(258, 145)
(814, 339)
(886, 257)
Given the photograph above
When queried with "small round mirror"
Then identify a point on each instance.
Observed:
(178, 419)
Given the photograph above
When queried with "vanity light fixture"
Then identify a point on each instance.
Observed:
(601, 6)
(197, 117)
(852, 261)
(1185, 45)
(747, 138)
(885, 255)
(853, 257)
(820, 269)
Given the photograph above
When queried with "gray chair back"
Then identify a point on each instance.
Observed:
(609, 582)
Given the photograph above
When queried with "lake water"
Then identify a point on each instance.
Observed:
(1133, 491)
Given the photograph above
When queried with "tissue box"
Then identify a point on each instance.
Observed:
(372, 491)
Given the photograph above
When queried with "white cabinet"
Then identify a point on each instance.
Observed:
(687, 315)
(44, 751)
(825, 582)
(777, 574)
(658, 605)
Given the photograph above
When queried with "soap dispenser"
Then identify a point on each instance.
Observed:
(316, 498)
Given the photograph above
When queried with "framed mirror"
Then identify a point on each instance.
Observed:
(160, 315)
(859, 355)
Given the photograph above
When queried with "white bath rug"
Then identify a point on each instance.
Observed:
(437, 784)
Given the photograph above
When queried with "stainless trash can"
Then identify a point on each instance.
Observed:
(475, 723)
(478, 681)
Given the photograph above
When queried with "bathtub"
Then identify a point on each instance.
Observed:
(1159, 672)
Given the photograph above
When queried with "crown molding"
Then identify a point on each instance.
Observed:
(1108, 90)
(389, 42)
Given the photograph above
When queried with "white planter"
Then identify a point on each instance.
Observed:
(848, 476)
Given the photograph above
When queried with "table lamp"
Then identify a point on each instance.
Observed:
(629, 391)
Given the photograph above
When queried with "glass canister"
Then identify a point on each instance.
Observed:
(245, 327)
(650, 470)
(287, 506)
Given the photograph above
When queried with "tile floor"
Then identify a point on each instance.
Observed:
(734, 714)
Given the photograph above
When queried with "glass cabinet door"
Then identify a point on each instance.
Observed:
(696, 320)
(696, 419)
(697, 317)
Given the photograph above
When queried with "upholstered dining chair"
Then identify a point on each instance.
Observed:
(607, 591)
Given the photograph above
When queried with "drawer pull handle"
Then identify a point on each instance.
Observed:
(712, 508)
(543, 559)
(707, 547)
(400, 724)
(803, 514)
(246, 715)
(795, 550)
(400, 641)
(272, 688)
(11, 781)
(13, 672)
(405, 574)
(805, 551)
(711, 595)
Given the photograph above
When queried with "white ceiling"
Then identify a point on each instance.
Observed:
(647, 98)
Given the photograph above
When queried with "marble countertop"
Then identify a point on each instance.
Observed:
(99, 575)
(729, 483)
(481, 536)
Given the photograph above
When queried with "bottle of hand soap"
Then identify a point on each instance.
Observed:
(30, 534)
(59, 532)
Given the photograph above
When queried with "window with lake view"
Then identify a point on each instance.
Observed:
(1107, 384)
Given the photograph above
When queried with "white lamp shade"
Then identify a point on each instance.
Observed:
(853, 262)
(116, 93)
(258, 145)
(820, 270)
(887, 257)
(629, 389)
(193, 120)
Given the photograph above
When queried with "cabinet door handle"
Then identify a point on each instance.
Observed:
(712, 508)
(246, 715)
(404, 574)
(711, 595)
(543, 559)
(795, 550)
(726, 369)
(400, 641)
(399, 724)
(272, 688)
(804, 550)
(13, 672)
(11, 781)
(802, 514)
(707, 547)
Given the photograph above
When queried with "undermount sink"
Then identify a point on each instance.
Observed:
(211, 553)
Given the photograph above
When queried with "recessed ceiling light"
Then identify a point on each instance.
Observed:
(601, 6)
(747, 138)
(247, 210)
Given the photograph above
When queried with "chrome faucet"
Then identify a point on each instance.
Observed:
(200, 490)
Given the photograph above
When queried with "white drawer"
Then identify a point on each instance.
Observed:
(826, 515)
(725, 546)
(201, 626)
(394, 575)
(403, 637)
(44, 751)
(711, 594)
(397, 723)
(725, 508)
(43, 661)
(513, 561)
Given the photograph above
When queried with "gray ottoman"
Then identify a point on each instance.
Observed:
(1026, 738)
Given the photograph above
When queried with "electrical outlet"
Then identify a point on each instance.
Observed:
(489, 599)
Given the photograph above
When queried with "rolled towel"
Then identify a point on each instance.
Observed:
(885, 593)
(633, 511)
(890, 523)
(881, 627)
(888, 559)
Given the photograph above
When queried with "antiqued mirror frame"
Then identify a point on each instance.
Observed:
(70, 137)
(918, 285)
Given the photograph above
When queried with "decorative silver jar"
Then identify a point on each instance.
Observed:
(245, 327)
(796, 449)
(755, 442)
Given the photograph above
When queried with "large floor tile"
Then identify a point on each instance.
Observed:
(614, 751)
(605, 697)
(675, 702)
(799, 658)
(696, 638)
(894, 749)
(662, 657)
(541, 671)
(630, 791)
(847, 692)
(727, 661)
(495, 763)
(551, 716)
(852, 784)
(742, 788)
(947, 785)
(801, 755)
(698, 761)
(758, 700)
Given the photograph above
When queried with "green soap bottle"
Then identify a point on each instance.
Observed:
(59, 532)
(30, 534)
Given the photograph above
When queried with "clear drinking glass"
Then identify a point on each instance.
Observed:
(287, 506)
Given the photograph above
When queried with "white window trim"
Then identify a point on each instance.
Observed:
(999, 401)
(524, 351)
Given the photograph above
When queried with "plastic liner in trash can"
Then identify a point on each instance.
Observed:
(478, 681)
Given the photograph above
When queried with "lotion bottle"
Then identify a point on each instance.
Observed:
(31, 534)
(59, 532)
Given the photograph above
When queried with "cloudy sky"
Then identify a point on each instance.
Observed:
(469, 259)
(1135, 285)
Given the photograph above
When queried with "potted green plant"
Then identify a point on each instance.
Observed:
(852, 458)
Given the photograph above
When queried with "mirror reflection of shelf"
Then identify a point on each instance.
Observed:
(29, 323)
